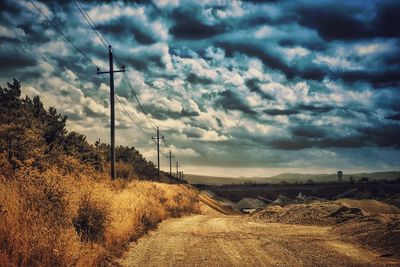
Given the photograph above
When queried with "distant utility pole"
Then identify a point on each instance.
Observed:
(112, 107)
(158, 151)
(177, 168)
(181, 175)
(170, 166)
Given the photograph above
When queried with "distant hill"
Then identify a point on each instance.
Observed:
(288, 177)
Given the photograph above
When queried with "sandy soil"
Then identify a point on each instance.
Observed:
(219, 240)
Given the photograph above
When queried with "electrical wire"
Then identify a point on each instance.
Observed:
(104, 41)
(62, 34)
(89, 21)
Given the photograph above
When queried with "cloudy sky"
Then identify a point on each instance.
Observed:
(241, 88)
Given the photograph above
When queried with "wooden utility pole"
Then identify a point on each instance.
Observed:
(158, 151)
(170, 166)
(112, 107)
(177, 172)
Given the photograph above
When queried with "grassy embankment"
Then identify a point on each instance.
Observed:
(58, 206)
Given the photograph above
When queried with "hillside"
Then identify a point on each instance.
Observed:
(288, 177)
(58, 205)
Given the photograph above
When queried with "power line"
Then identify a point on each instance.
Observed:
(60, 31)
(91, 24)
(106, 43)
(104, 40)
(129, 115)
(128, 82)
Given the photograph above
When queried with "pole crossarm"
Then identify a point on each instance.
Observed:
(106, 72)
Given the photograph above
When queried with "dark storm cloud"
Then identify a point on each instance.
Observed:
(187, 26)
(302, 108)
(387, 20)
(253, 85)
(302, 142)
(193, 132)
(144, 61)
(276, 112)
(315, 109)
(125, 27)
(395, 117)
(10, 61)
(382, 135)
(186, 113)
(309, 131)
(16, 58)
(9, 7)
(231, 101)
(378, 79)
(332, 23)
(193, 79)
(255, 51)
(273, 61)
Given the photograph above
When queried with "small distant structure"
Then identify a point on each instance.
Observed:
(364, 179)
(340, 176)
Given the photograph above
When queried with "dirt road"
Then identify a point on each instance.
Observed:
(219, 240)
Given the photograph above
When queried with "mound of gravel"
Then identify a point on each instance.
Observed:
(314, 213)
(377, 231)
(249, 203)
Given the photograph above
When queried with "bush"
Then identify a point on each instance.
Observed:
(124, 171)
(91, 220)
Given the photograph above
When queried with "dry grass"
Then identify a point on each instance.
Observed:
(73, 215)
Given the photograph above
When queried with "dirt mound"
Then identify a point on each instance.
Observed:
(378, 232)
(212, 203)
(314, 213)
(220, 200)
(249, 203)
(369, 223)
(370, 205)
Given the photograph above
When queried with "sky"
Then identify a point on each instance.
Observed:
(238, 88)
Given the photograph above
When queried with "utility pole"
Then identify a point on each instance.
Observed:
(158, 151)
(112, 107)
(170, 166)
(177, 172)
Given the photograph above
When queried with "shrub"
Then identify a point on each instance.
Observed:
(92, 219)
(124, 170)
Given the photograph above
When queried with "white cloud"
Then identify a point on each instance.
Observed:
(293, 52)
(335, 62)
(17, 32)
(374, 48)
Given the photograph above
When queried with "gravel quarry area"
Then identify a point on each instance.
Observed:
(309, 234)
(369, 223)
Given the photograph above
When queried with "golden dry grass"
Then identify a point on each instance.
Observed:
(38, 211)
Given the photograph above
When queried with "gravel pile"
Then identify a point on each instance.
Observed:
(377, 231)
